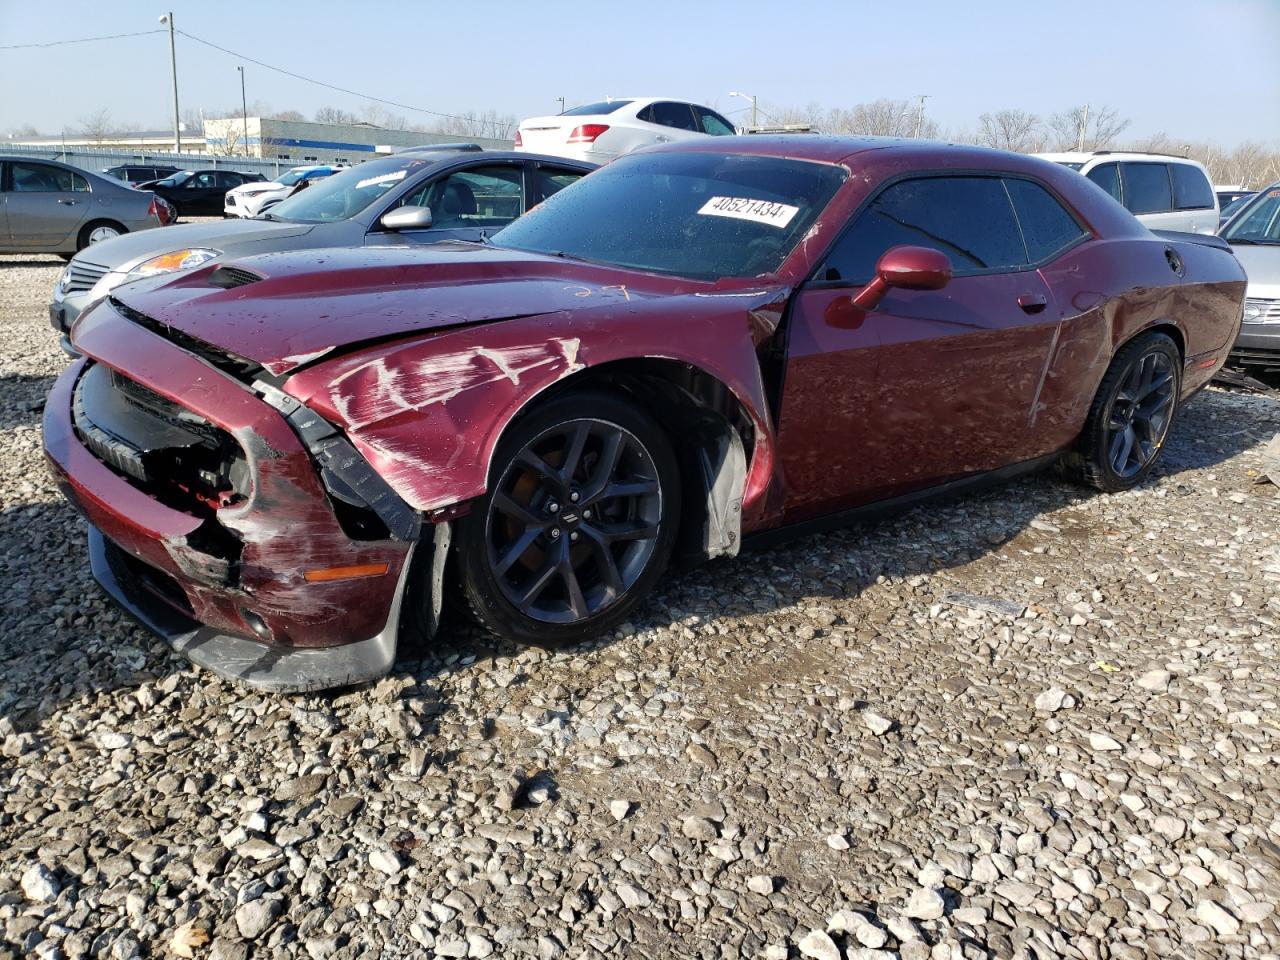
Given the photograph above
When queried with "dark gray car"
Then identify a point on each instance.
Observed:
(51, 207)
(417, 196)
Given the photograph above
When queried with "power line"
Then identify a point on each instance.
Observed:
(330, 86)
(62, 43)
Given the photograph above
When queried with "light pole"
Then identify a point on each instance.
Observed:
(244, 111)
(561, 99)
(173, 63)
(754, 113)
(920, 114)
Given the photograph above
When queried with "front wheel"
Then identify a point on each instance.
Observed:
(578, 523)
(1130, 416)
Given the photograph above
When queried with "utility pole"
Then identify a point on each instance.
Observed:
(920, 115)
(755, 120)
(244, 111)
(1084, 128)
(561, 99)
(173, 64)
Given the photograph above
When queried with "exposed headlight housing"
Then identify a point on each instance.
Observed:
(184, 259)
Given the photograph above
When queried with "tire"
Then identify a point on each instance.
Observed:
(1131, 415)
(537, 533)
(97, 231)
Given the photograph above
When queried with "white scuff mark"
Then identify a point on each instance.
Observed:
(1050, 355)
(298, 359)
(731, 293)
(439, 379)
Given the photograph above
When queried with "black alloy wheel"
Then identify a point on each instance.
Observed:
(1131, 415)
(577, 525)
(1140, 414)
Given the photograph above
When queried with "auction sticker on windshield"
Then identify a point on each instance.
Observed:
(744, 208)
(384, 178)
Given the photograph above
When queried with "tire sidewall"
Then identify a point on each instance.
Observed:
(1129, 355)
(479, 585)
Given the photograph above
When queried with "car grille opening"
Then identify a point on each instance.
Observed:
(1259, 310)
(170, 452)
(229, 277)
(82, 276)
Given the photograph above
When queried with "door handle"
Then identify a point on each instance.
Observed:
(1033, 302)
(69, 203)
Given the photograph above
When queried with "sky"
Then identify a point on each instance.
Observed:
(1194, 69)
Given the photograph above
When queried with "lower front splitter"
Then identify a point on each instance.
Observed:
(256, 664)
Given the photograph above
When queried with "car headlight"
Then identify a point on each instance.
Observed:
(177, 260)
(1252, 312)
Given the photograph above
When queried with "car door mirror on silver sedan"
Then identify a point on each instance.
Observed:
(407, 217)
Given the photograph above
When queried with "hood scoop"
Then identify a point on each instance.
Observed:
(228, 277)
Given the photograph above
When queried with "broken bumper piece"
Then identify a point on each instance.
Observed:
(251, 662)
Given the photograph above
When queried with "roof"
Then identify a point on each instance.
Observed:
(1078, 156)
(831, 149)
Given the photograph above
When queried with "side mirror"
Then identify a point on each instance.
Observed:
(906, 268)
(406, 218)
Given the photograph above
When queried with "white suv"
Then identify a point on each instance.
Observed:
(1164, 192)
(599, 132)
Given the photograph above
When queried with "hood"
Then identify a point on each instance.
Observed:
(1262, 267)
(125, 252)
(312, 304)
(253, 186)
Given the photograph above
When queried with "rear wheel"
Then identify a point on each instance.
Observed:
(578, 524)
(97, 231)
(1131, 415)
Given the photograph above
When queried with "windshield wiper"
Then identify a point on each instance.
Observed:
(265, 215)
(1241, 240)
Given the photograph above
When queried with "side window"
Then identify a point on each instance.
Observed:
(478, 197)
(1191, 188)
(79, 184)
(42, 178)
(1146, 187)
(1107, 176)
(646, 114)
(1047, 227)
(967, 218)
(713, 123)
(201, 181)
(678, 115)
(551, 180)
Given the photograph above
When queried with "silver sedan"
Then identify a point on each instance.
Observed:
(51, 207)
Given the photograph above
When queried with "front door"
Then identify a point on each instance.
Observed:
(44, 205)
(931, 385)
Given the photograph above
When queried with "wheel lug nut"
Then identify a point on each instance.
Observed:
(573, 536)
(553, 507)
(574, 496)
(586, 514)
(555, 534)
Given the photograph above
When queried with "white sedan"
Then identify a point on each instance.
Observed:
(251, 199)
(599, 132)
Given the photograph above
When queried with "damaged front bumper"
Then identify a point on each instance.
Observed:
(244, 585)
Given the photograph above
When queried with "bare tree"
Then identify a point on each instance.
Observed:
(286, 115)
(226, 138)
(335, 115)
(490, 123)
(1098, 127)
(97, 126)
(1158, 142)
(1009, 130)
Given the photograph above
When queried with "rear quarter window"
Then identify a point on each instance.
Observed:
(1107, 177)
(1146, 187)
(1191, 188)
(1047, 226)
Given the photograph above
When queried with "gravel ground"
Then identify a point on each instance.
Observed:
(810, 752)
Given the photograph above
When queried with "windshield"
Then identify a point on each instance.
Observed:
(290, 178)
(1069, 163)
(1259, 222)
(700, 215)
(343, 195)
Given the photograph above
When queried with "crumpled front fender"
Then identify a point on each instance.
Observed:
(428, 413)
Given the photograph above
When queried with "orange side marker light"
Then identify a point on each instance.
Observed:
(327, 574)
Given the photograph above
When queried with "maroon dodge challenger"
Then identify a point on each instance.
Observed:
(288, 461)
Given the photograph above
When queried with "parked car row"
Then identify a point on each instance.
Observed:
(419, 196)
(285, 431)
